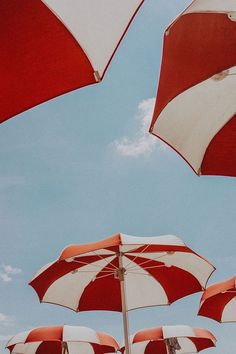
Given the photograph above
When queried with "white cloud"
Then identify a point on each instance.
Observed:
(6, 320)
(7, 272)
(143, 143)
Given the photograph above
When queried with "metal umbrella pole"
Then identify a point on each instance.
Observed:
(65, 349)
(120, 275)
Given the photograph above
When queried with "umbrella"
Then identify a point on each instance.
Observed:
(122, 273)
(219, 301)
(61, 340)
(195, 106)
(50, 47)
(171, 340)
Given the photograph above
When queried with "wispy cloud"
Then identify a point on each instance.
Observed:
(7, 272)
(142, 143)
(6, 320)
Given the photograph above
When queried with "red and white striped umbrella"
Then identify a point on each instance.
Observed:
(219, 301)
(171, 340)
(196, 100)
(62, 340)
(50, 47)
(122, 273)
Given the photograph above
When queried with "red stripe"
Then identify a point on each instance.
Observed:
(110, 243)
(220, 156)
(156, 347)
(175, 281)
(160, 248)
(197, 47)
(148, 334)
(102, 293)
(127, 27)
(11, 347)
(202, 343)
(102, 349)
(57, 270)
(45, 334)
(49, 347)
(107, 340)
(39, 59)
(214, 306)
(215, 289)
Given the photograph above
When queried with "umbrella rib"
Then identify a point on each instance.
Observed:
(229, 292)
(137, 256)
(104, 259)
(92, 271)
(139, 273)
(147, 261)
(94, 265)
(147, 268)
(103, 276)
(158, 266)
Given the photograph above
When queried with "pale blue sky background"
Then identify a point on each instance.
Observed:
(65, 177)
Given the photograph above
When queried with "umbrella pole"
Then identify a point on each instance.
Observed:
(124, 306)
(167, 348)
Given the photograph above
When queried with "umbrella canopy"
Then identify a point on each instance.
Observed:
(196, 100)
(122, 273)
(50, 47)
(219, 301)
(61, 340)
(171, 340)
(155, 270)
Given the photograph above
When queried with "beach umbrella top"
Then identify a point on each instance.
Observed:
(171, 339)
(50, 47)
(195, 106)
(61, 340)
(154, 270)
(218, 301)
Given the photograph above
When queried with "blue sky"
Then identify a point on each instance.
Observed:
(80, 167)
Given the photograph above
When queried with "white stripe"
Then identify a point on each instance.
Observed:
(18, 338)
(212, 6)
(154, 240)
(192, 119)
(187, 346)
(191, 263)
(76, 348)
(96, 25)
(84, 334)
(229, 312)
(131, 339)
(99, 252)
(28, 348)
(68, 289)
(156, 256)
(186, 261)
(138, 348)
(178, 331)
(142, 290)
(41, 270)
(102, 251)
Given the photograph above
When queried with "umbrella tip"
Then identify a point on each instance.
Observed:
(97, 76)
